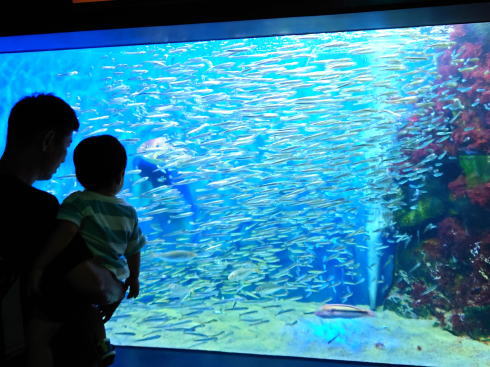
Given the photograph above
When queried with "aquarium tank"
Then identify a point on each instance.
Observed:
(321, 195)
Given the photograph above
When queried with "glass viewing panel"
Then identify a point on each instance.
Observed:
(320, 195)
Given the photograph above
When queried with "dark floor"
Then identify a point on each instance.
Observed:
(139, 357)
(155, 357)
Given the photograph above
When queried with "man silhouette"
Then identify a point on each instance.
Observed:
(40, 129)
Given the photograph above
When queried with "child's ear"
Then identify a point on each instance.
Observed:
(48, 140)
(121, 180)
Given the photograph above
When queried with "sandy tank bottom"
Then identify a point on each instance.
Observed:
(289, 328)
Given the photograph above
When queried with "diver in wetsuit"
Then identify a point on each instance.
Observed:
(158, 177)
(151, 160)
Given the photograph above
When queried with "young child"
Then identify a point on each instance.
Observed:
(108, 225)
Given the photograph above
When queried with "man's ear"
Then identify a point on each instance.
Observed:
(48, 140)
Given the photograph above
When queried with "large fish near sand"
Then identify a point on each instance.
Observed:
(342, 311)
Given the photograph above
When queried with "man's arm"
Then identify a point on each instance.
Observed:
(64, 232)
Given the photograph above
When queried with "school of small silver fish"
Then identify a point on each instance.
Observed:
(286, 144)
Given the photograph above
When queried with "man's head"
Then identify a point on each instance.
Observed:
(100, 162)
(41, 124)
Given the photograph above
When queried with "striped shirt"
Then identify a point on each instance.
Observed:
(108, 225)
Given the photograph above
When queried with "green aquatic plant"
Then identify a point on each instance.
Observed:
(426, 208)
(476, 169)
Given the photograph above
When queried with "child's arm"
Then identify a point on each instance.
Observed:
(60, 238)
(134, 273)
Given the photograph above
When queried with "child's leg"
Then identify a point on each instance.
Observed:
(95, 282)
(104, 349)
(94, 320)
(40, 335)
(108, 310)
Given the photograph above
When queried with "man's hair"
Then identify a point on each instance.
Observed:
(99, 161)
(35, 115)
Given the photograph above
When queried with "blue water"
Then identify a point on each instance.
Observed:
(270, 162)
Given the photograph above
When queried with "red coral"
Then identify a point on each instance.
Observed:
(487, 121)
(486, 61)
(477, 139)
(479, 294)
(435, 249)
(478, 280)
(417, 294)
(458, 186)
(469, 50)
(450, 148)
(485, 96)
(445, 58)
(419, 154)
(451, 284)
(413, 119)
(451, 232)
(458, 260)
(440, 317)
(459, 31)
(457, 323)
(468, 115)
(446, 70)
(480, 194)
(478, 73)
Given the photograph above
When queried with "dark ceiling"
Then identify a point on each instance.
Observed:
(31, 17)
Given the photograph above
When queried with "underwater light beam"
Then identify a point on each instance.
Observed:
(375, 222)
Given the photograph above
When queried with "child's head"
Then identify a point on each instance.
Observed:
(100, 162)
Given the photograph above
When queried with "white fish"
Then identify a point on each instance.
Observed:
(429, 290)
(241, 273)
(178, 255)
